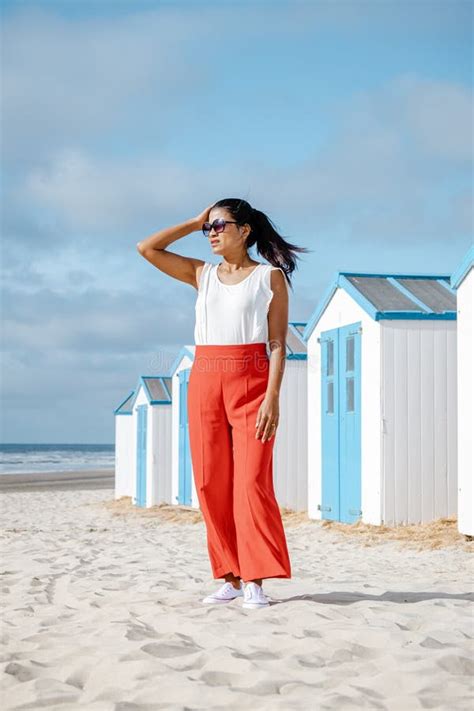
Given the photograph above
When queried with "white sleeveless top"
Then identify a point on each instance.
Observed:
(233, 313)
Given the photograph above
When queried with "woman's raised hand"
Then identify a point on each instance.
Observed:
(203, 216)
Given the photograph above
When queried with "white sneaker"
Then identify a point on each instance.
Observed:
(254, 596)
(226, 593)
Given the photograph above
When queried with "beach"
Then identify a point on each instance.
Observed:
(101, 609)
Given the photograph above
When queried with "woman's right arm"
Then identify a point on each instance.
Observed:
(153, 248)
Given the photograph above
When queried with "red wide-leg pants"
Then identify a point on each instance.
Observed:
(232, 469)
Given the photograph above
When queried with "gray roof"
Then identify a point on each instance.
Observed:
(125, 408)
(168, 382)
(156, 389)
(386, 296)
(296, 347)
(392, 296)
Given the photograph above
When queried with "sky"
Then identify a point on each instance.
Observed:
(349, 123)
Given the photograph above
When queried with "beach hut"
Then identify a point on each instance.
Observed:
(151, 480)
(182, 481)
(124, 450)
(382, 435)
(462, 281)
(290, 454)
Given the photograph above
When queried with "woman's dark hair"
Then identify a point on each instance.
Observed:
(270, 244)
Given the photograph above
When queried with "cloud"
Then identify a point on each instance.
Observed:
(388, 170)
(433, 118)
(74, 357)
(68, 81)
(96, 194)
(94, 321)
(387, 155)
(100, 119)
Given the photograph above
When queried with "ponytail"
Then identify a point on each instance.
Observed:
(270, 244)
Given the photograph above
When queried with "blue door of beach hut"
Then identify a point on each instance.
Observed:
(141, 455)
(184, 484)
(341, 418)
(330, 423)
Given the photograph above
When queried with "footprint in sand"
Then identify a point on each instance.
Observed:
(456, 664)
(136, 633)
(311, 661)
(259, 655)
(166, 651)
(432, 643)
(213, 678)
(20, 672)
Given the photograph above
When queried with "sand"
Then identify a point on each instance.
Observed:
(101, 610)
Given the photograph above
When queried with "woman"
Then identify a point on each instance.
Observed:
(233, 391)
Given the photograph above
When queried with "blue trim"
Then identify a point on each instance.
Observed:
(385, 275)
(141, 456)
(409, 295)
(170, 394)
(297, 356)
(416, 316)
(144, 379)
(357, 296)
(154, 375)
(141, 383)
(126, 412)
(447, 286)
(461, 272)
(326, 298)
(185, 466)
(330, 426)
(340, 280)
(183, 352)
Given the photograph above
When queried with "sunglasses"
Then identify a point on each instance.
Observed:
(218, 226)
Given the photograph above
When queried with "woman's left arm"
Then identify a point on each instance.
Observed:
(269, 411)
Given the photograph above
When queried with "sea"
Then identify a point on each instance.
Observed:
(32, 458)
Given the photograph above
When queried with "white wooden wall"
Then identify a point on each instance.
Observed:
(159, 441)
(465, 300)
(124, 455)
(158, 450)
(290, 460)
(186, 362)
(419, 413)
